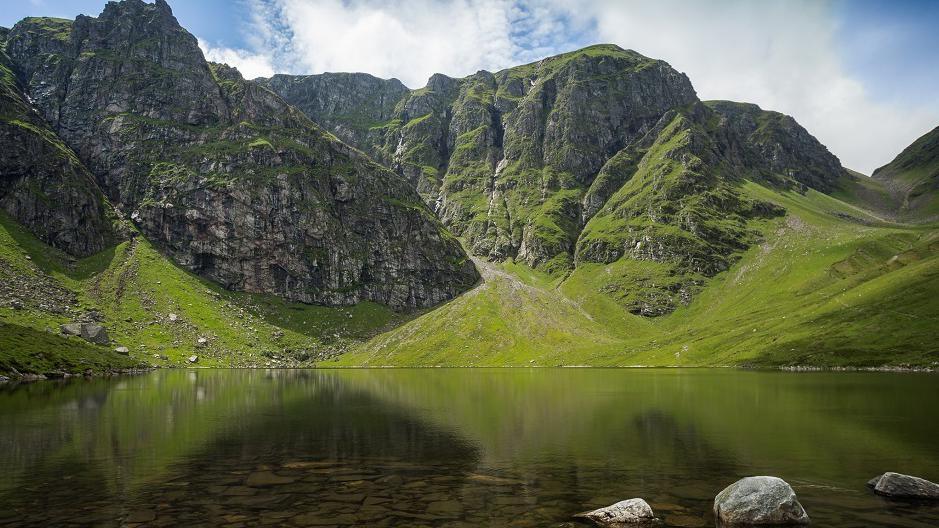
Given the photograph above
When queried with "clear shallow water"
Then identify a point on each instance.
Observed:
(462, 447)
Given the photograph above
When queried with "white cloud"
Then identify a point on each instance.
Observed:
(408, 39)
(780, 55)
(251, 65)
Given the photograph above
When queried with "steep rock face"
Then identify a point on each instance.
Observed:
(348, 104)
(43, 185)
(230, 180)
(598, 156)
(773, 146)
(912, 179)
(505, 158)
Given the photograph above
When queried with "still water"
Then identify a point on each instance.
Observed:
(454, 448)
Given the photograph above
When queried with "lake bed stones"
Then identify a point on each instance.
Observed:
(898, 485)
(631, 511)
(759, 501)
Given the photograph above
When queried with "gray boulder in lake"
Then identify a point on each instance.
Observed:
(632, 511)
(759, 501)
(904, 486)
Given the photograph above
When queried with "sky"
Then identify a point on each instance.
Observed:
(860, 75)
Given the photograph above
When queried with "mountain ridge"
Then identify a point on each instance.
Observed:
(617, 219)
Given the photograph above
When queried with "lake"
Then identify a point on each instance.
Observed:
(456, 447)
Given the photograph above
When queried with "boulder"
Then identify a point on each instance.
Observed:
(632, 511)
(122, 350)
(193, 359)
(754, 501)
(94, 333)
(74, 329)
(904, 486)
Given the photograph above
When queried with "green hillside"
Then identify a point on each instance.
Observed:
(912, 179)
(134, 290)
(829, 285)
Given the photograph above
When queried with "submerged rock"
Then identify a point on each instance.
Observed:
(267, 478)
(904, 486)
(632, 511)
(759, 501)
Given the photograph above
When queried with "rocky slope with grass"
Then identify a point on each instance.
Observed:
(206, 219)
(912, 180)
(223, 175)
(592, 156)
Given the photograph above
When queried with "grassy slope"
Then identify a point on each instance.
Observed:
(913, 177)
(822, 289)
(136, 289)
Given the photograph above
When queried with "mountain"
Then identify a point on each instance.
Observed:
(912, 179)
(223, 175)
(587, 157)
(616, 219)
(619, 220)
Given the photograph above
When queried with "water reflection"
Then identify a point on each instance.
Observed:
(454, 447)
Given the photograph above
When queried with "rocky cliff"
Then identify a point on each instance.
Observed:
(912, 179)
(592, 156)
(221, 173)
(348, 104)
(43, 185)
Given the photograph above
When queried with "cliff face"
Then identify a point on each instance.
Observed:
(43, 185)
(504, 158)
(597, 155)
(348, 104)
(231, 181)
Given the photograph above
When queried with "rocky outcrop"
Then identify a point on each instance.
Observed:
(759, 501)
(902, 486)
(632, 512)
(231, 181)
(91, 332)
(43, 185)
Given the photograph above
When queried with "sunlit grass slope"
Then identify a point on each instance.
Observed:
(829, 285)
(136, 289)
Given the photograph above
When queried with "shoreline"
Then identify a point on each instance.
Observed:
(58, 376)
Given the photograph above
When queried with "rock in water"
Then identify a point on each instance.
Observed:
(759, 501)
(904, 486)
(95, 334)
(630, 511)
